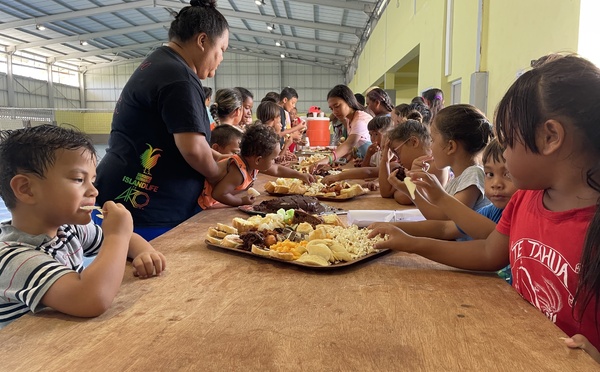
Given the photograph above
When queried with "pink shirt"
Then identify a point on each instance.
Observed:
(358, 125)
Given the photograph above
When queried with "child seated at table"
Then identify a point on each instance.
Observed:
(548, 120)
(259, 147)
(465, 223)
(459, 133)
(226, 139)
(269, 114)
(46, 182)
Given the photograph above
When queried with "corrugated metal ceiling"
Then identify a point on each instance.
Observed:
(90, 33)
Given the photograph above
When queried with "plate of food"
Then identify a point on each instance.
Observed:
(312, 243)
(337, 191)
(308, 204)
(285, 186)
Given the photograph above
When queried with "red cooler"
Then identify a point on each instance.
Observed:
(318, 131)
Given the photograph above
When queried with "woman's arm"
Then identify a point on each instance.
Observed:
(197, 153)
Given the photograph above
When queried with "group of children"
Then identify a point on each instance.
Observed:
(539, 183)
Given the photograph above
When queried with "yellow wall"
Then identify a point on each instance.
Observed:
(520, 31)
(513, 33)
(88, 122)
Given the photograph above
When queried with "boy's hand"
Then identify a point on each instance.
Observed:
(371, 185)
(307, 178)
(248, 199)
(581, 342)
(396, 183)
(372, 150)
(148, 264)
(117, 220)
(327, 180)
(396, 238)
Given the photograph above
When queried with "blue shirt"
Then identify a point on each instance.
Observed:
(493, 213)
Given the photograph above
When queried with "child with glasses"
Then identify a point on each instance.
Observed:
(406, 142)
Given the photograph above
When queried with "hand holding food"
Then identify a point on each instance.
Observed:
(428, 183)
(117, 220)
(253, 192)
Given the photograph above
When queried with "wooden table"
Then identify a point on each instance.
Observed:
(219, 311)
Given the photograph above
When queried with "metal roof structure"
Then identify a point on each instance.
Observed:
(94, 33)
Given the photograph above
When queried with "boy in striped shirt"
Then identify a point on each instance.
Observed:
(46, 180)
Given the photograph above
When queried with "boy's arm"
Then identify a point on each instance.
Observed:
(277, 170)
(474, 224)
(490, 254)
(225, 192)
(352, 174)
(386, 190)
(92, 292)
(146, 260)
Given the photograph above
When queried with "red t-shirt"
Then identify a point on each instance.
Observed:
(545, 254)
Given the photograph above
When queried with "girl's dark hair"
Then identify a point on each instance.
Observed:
(380, 123)
(360, 98)
(435, 97)
(271, 96)
(226, 102)
(565, 88)
(424, 110)
(465, 124)
(402, 110)
(245, 93)
(222, 135)
(418, 99)
(267, 110)
(411, 128)
(207, 92)
(494, 152)
(343, 92)
(201, 16)
(258, 140)
(381, 96)
(288, 93)
(33, 150)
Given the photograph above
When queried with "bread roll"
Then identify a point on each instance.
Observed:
(259, 251)
(252, 192)
(232, 241)
(213, 240)
(214, 233)
(226, 228)
(242, 225)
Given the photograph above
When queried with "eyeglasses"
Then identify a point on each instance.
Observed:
(396, 150)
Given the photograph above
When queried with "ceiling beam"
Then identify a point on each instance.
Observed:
(278, 50)
(271, 19)
(361, 6)
(99, 52)
(77, 14)
(293, 39)
(289, 60)
(93, 35)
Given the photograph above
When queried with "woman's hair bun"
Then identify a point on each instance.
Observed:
(204, 3)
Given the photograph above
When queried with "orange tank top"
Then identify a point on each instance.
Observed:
(206, 201)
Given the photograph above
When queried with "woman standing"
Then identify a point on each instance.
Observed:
(159, 154)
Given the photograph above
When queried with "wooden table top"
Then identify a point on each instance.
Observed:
(221, 311)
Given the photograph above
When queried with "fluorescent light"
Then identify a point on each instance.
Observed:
(83, 42)
(259, 2)
(282, 55)
(278, 43)
(270, 26)
(40, 27)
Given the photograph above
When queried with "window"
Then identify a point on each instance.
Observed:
(29, 65)
(67, 75)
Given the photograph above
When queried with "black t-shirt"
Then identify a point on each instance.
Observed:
(142, 168)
